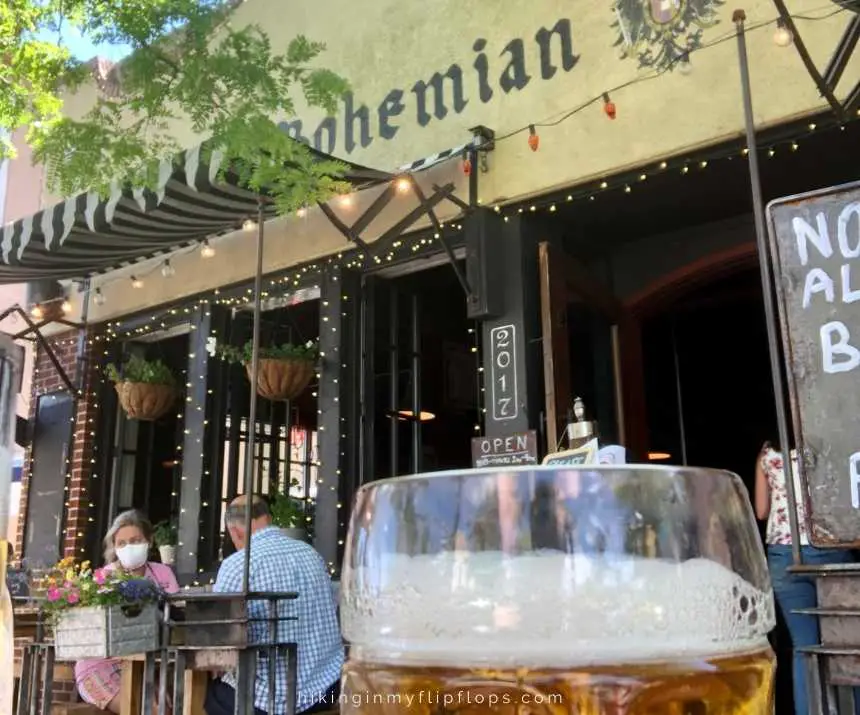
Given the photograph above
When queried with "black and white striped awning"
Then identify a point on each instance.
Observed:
(87, 234)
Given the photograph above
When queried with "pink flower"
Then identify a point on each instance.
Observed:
(72, 597)
(100, 577)
(53, 594)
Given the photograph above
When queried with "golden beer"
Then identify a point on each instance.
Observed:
(731, 685)
(457, 599)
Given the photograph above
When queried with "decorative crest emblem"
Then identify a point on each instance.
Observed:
(660, 34)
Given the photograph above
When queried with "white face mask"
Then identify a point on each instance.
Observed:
(133, 556)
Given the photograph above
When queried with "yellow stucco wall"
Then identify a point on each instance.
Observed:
(384, 48)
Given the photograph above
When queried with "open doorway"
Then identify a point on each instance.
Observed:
(421, 372)
(708, 384)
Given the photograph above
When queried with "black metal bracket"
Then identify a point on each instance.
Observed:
(827, 82)
(35, 329)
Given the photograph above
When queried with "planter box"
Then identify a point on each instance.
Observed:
(106, 632)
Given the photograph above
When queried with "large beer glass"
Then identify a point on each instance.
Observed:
(612, 590)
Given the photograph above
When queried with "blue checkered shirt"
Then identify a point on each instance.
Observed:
(282, 564)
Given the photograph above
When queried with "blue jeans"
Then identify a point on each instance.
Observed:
(792, 592)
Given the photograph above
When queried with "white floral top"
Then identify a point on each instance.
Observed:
(778, 524)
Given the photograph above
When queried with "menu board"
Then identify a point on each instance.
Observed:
(815, 254)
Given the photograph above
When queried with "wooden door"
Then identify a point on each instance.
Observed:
(591, 349)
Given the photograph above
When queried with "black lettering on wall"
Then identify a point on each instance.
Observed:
(514, 76)
(391, 106)
(544, 40)
(482, 66)
(294, 130)
(362, 114)
(328, 126)
(437, 84)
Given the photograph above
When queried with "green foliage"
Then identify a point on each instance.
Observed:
(309, 351)
(288, 512)
(165, 534)
(137, 369)
(188, 65)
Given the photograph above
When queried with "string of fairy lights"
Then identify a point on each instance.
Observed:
(782, 37)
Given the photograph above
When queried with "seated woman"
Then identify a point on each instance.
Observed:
(127, 546)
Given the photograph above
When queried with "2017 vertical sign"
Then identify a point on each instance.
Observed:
(503, 373)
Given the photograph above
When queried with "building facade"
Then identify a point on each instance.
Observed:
(609, 191)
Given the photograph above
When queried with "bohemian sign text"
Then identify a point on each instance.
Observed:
(815, 242)
(503, 373)
(510, 451)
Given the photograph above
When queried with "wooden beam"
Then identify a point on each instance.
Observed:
(556, 351)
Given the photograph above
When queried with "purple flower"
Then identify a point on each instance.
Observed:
(138, 590)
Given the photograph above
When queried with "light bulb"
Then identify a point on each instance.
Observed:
(206, 251)
(302, 212)
(345, 200)
(136, 282)
(782, 36)
(403, 184)
(166, 269)
(99, 297)
(36, 312)
(66, 306)
(685, 67)
(249, 225)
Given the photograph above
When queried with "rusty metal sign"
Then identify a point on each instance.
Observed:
(815, 249)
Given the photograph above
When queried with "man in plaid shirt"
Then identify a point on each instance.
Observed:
(282, 564)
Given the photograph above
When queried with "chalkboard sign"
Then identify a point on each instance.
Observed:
(18, 583)
(587, 454)
(815, 247)
(510, 451)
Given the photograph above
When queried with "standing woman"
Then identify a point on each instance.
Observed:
(792, 591)
(127, 546)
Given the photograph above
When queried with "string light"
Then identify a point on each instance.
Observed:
(249, 225)
(403, 184)
(136, 282)
(66, 306)
(782, 36)
(346, 200)
(98, 297)
(302, 212)
(466, 164)
(534, 139)
(167, 270)
(206, 251)
(36, 312)
(609, 106)
(685, 67)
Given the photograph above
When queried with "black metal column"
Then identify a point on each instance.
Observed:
(337, 412)
(192, 489)
(510, 339)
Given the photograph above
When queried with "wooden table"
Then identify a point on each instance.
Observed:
(199, 665)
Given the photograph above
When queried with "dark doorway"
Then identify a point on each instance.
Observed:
(421, 371)
(709, 393)
(52, 436)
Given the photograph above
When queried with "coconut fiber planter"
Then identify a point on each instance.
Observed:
(144, 400)
(282, 379)
(106, 631)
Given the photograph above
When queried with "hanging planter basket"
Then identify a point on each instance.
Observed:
(145, 400)
(283, 378)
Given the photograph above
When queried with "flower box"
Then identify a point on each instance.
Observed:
(106, 631)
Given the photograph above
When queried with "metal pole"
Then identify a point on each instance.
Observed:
(416, 386)
(739, 17)
(394, 382)
(252, 412)
(682, 431)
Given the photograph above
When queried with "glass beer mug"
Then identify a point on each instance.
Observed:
(607, 590)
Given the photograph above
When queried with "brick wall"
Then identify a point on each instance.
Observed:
(47, 379)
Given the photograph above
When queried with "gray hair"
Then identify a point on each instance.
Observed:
(236, 513)
(127, 518)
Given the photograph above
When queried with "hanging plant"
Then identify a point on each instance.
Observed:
(146, 388)
(284, 370)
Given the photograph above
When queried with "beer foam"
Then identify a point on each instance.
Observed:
(549, 609)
